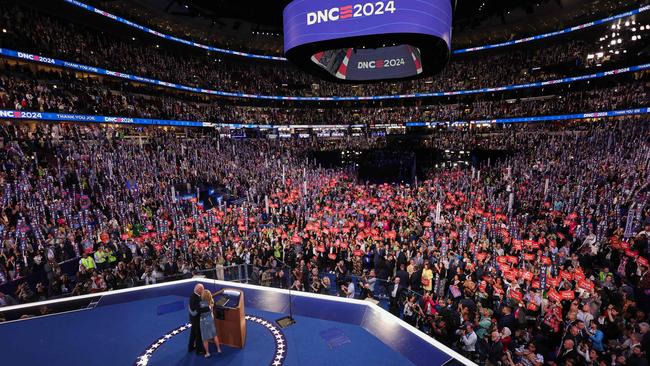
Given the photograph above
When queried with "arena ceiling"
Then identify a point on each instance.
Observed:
(269, 13)
(475, 21)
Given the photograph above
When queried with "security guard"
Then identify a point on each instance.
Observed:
(87, 262)
(111, 256)
(100, 257)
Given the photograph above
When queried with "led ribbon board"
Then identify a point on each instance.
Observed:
(146, 80)
(357, 41)
(69, 117)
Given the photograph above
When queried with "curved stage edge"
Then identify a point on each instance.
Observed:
(119, 327)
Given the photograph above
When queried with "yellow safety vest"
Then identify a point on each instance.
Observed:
(111, 257)
(100, 257)
(88, 263)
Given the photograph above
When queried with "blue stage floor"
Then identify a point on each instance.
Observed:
(117, 334)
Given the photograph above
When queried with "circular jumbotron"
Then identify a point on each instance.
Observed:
(357, 42)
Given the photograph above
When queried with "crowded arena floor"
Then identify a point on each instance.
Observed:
(502, 240)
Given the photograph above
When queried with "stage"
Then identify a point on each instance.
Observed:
(149, 326)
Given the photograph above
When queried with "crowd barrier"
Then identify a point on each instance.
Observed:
(67, 117)
(279, 58)
(97, 70)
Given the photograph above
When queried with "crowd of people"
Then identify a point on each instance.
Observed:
(22, 88)
(31, 31)
(537, 257)
(213, 35)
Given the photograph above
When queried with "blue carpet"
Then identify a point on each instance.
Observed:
(335, 337)
(117, 334)
(171, 307)
(113, 335)
(362, 348)
(259, 350)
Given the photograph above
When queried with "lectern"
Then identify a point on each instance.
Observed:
(229, 318)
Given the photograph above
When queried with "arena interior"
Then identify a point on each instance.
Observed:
(387, 182)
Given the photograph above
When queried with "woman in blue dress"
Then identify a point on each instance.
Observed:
(208, 330)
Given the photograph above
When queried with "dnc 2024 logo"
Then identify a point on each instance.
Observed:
(19, 114)
(29, 56)
(350, 11)
(118, 119)
(380, 64)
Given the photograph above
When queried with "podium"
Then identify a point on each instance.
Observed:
(229, 318)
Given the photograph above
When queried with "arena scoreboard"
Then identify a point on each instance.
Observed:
(368, 41)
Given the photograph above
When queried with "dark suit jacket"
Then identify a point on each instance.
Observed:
(401, 259)
(508, 321)
(564, 356)
(195, 300)
(399, 294)
(403, 277)
(415, 281)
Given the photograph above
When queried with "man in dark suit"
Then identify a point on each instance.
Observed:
(403, 275)
(395, 296)
(416, 280)
(567, 352)
(401, 257)
(507, 319)
(195, 317)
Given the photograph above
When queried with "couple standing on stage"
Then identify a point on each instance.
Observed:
(203, 328)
